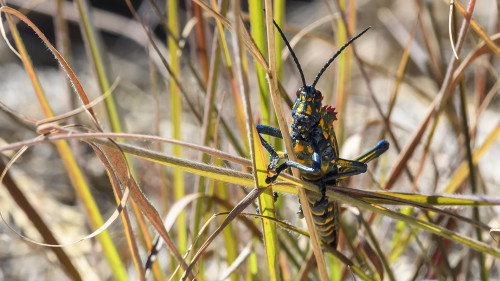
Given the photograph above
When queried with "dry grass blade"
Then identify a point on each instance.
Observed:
(65, 153)
(120, 166)
(462, 171)
(242, 205)
(479, 50)
(468, 14)
(215, 14)
(374, 259)
(169, 221)
(428, 207)
(59, 57)
(238, 262)
(98, 231)
(273, 89)
(103, 136)
(38, 222)
(251, 47)
(120, 196)
(378, 258)
(393, 79)
(441, 231)
(442, 96)
(83, 108)
(167, 66)
(452, 5)
(306, 267)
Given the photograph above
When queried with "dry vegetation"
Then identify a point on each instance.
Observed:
(202, 91)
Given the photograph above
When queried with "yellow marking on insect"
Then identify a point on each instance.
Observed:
(281, 154)
(313, 178)
(368, 157)
(342, 163)
(300, 108)
(299, 147)
(330, 208)
(328, 228)
(327, 220)
(302, 161)
(317, 214)
(329, 233)
(324, 167)
(308, 110)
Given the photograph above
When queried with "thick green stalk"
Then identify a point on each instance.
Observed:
(259, 36)
(176, 118)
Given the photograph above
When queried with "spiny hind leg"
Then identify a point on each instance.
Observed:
(351, 167)
(381, 147)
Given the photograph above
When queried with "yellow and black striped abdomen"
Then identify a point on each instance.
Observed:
(326, 219)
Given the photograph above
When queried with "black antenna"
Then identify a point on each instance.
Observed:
(336, 55)
(292, 53)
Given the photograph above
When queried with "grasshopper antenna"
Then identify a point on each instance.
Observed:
(292, 53)
(336, 55)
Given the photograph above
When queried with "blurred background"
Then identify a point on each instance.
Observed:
(405, 57)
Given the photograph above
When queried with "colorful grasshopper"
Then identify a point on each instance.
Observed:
(316, 149)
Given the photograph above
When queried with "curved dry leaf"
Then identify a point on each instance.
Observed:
(240, 259)
(450, 17)
(40, 124)
(234, 212)
(115, 155)
(108, 222)
(172, 215)
(373, 257)
(478, 51)
(75, 82)
(495, 234)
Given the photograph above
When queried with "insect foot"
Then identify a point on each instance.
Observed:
(300, 213)
(271, 179)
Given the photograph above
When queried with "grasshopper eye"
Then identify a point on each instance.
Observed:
(299, 91)
(318, 95)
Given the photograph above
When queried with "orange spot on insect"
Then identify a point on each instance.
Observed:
(299, 147)
(309, 110)
(324, 167)
(300, 109)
